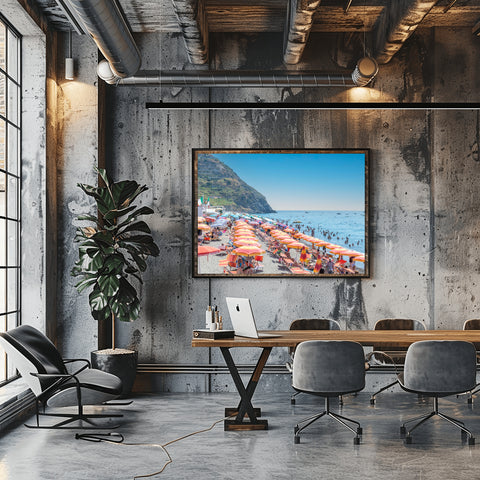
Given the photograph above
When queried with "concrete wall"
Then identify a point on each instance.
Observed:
(77, 149)
(425, 176)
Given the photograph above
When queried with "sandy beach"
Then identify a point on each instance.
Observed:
(277, 259)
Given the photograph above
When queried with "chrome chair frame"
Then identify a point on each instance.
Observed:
(386, 355)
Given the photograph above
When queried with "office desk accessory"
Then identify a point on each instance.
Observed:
(214, 335)
(291, 338)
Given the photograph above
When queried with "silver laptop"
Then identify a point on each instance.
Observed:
(241, 315)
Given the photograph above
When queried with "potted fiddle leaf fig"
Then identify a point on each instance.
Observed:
(112, 257)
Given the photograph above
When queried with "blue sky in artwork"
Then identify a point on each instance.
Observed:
(303, 181)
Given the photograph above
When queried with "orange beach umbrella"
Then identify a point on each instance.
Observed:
(206, 250)
(248, 251)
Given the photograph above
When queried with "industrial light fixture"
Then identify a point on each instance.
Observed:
(365, 71)
(69, 71)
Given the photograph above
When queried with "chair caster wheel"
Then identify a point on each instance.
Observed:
(292, 401)
(360, 431)
(372, 401)
(408, 440)
(296, 439)
(356, 441)
(471, 441)
(403, 430)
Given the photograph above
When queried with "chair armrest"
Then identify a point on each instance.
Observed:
(71, 360)
(81, 369)
(289, 367)
(369, 356)
(61, 378)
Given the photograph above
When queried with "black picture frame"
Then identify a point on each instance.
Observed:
(220, 199)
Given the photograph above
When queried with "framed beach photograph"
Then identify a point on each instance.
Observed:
(280, 213)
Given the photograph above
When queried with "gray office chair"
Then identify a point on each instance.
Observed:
(308, 324)
(328, 369)
(45, 372)
(394, 355)
(472, 324)
(438, 368)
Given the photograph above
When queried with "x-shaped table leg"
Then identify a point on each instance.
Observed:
(245, 406)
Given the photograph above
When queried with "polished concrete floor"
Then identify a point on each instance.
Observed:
(326, 450)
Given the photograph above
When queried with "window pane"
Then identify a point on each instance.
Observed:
(3, 362)
(12, 58)
(3, 198)
(2, 143)
(3, 92)
(2, 46)
(12, 197)
(12, 102)
(12, 251)
(3, 291)
(13, 153)
(12, 289)
(12, 320)
(3, 241)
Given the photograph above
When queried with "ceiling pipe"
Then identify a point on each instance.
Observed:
(105, 23)
(203, 78)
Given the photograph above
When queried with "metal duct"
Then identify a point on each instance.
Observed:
(237, 79)
(105, 23)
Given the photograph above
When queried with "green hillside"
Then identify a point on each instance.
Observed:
(225, 188)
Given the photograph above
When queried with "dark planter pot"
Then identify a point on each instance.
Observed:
(119, 362)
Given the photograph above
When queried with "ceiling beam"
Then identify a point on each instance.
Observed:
(193, 23)
(395, 25)
(297, 29)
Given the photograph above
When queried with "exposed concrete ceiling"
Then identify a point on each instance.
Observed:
(391, 22)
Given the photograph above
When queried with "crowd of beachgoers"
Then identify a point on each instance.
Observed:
(247, 245)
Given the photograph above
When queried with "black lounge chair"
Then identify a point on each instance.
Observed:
(43, 369)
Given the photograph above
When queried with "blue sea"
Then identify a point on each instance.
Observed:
(345, 228)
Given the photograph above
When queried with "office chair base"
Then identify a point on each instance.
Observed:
(69, 419)
(339, 418)
(386, 387)
(423, 418)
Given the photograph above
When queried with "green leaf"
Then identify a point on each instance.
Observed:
(103, 237)
(103, 174)
(140, 226)
(138, 259)
(88, 217)
(115, 213)
(125, 192)
(126, 293)
(114, 263)
(97, 300)
(82, 285)
(126, 313)
(137, 213)
(109, 284)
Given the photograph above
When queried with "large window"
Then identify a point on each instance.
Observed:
(10, 108)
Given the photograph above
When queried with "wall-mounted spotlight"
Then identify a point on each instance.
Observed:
(69, 70)
(365, 71)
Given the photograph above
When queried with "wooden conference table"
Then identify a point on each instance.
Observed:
(291, 338)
